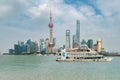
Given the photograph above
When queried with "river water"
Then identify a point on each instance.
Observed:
(46, 68)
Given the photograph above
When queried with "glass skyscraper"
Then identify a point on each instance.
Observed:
(43, 48)
(75, 42)
(17, 49)
(78, 31)
(90, 43)
(54, 42)
(67, 38)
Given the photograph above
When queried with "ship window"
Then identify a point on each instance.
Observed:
(88, 50)
(59, 54)
(67, 57)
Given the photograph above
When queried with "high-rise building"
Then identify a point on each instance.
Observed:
(75, 42)
(78, 31)
(54, 45)
(24, 48)
(83, 42)
(17, 49)
(40, 44)
(41, 40)
(67, 38)
(90, 43)
(43, 48)
(28, 48)
(47, 45)
(95, 47)
(51, 31)
(98, 47)
(11, 51)
(32, 46)
(37, 47)
(99, 43)
(54, 42)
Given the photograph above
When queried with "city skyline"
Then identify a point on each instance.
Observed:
(28, 19)
(33, 47)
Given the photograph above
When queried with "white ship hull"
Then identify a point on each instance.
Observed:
(85, 60)
(82, 57)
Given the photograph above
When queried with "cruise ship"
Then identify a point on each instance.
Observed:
(84, 54)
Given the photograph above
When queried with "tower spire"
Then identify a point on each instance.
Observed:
(50, 24)
(51, 30)
(50, 15)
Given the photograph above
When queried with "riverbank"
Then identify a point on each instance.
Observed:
(30, 54)
(113, 55)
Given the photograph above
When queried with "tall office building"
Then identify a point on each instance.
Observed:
(67, 38)
(95, 47)
(90, 43)
(17, 49)
(28, 43)
(54, 45)
(75, 42)
(31, 45)
(40, 44)
(11, 51)
(24, 48)
(54, 42)
(28, 48)
(41, 40)
(47, 45)
(78, 31)
(43, 47)
(37, 46)
(99, 43)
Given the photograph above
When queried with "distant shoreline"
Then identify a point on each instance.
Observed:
(112, 55)
(29, 54)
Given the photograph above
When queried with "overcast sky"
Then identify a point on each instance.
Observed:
(28, 19)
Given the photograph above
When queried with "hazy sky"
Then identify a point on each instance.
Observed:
(28, 19)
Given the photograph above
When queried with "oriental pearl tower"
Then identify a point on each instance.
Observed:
(51, 31)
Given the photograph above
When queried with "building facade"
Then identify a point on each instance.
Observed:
(90, 43)
(17, 49)
(67, 38)
(99, 43)
(78, 31)
(75, 42)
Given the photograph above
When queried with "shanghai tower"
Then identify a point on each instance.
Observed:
(78, 31)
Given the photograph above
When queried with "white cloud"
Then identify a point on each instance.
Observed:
(87, 10)
(108, 8)
(4, 10)
(37, 11)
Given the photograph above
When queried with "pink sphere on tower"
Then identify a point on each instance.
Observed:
(50, 25)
